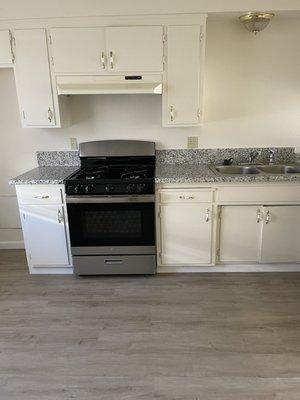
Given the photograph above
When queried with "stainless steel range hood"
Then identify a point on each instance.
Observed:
(109, 84)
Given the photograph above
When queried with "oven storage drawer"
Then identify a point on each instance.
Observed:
(114, 265)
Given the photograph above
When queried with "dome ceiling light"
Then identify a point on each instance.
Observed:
(256, 21)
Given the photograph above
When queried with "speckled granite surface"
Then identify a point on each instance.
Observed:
(173, 166)
(180, 156)
(55, 158)
(44, 175)
(165, 173)
(197, 173)
(216, 156)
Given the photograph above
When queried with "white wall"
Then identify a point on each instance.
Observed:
(19, 9)
(252, 98)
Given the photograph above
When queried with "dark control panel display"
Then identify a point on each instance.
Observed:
(102, 189)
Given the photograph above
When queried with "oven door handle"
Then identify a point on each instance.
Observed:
(111, 199)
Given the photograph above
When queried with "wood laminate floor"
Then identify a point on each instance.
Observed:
(181, 336)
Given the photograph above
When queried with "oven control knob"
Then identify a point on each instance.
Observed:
(89, 188)
(140, 187)
(132, 187)
(70, 189)
(109, 188)
(77, 189)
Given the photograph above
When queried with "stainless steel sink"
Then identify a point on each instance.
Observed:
(237, 169)
(280, 169)
(257, 169)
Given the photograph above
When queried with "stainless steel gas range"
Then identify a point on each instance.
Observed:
(111, 209)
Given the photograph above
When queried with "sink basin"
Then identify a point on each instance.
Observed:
(280, 169)
(237, 169)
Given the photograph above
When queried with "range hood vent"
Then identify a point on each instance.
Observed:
(109, 84)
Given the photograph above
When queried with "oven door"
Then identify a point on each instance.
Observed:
(112, 224)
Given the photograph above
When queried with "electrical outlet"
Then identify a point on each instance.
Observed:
(73, 143)
(192, 142)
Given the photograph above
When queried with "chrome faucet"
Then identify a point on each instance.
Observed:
(253, 156)
(271, 156)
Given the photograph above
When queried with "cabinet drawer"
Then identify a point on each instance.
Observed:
(261, 194)
(186, 196)
(40, 194)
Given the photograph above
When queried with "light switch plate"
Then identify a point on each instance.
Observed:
(192, 142)
(73, 143)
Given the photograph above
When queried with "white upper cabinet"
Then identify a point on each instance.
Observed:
(135, 48)
(184, 71)
(78, 50)
(44, 56)
(113, 49)
(6, 55)
(33, 80)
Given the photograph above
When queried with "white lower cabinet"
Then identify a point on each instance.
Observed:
(240, 232)
(186, 234)
(45, 228)
(228, 224)
(262, 234)
(281, 234)
(44, 232)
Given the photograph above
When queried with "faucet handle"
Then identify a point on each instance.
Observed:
(228, 161)
(253, 155)
(271, 155)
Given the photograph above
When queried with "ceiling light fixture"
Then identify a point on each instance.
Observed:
(256, 21)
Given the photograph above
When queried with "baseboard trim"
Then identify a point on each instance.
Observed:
(231, 268)
(12, 245)
(51, 271)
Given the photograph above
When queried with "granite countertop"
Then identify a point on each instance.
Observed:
(44, 175)
(198, 173)
(165, 173)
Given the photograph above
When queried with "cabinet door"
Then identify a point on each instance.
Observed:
(186, 234)
(183, 83)
(5, 48)
(240, 233)
(78, 50)
(135, 48)
(45, 235)
(33, 79)
(281, 234)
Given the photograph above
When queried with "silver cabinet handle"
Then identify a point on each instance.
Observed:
(111, 59)
(258, 216)
(186, 197)
(207, 215)
(172, 113)
(60, 216)
(50, 115)
(103, 60)
(268, 217)
(41, 197)
(113, 261)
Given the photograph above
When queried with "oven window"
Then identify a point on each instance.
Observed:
(112, 224)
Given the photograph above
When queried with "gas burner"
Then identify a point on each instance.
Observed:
(134, 173)
(93, 173)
